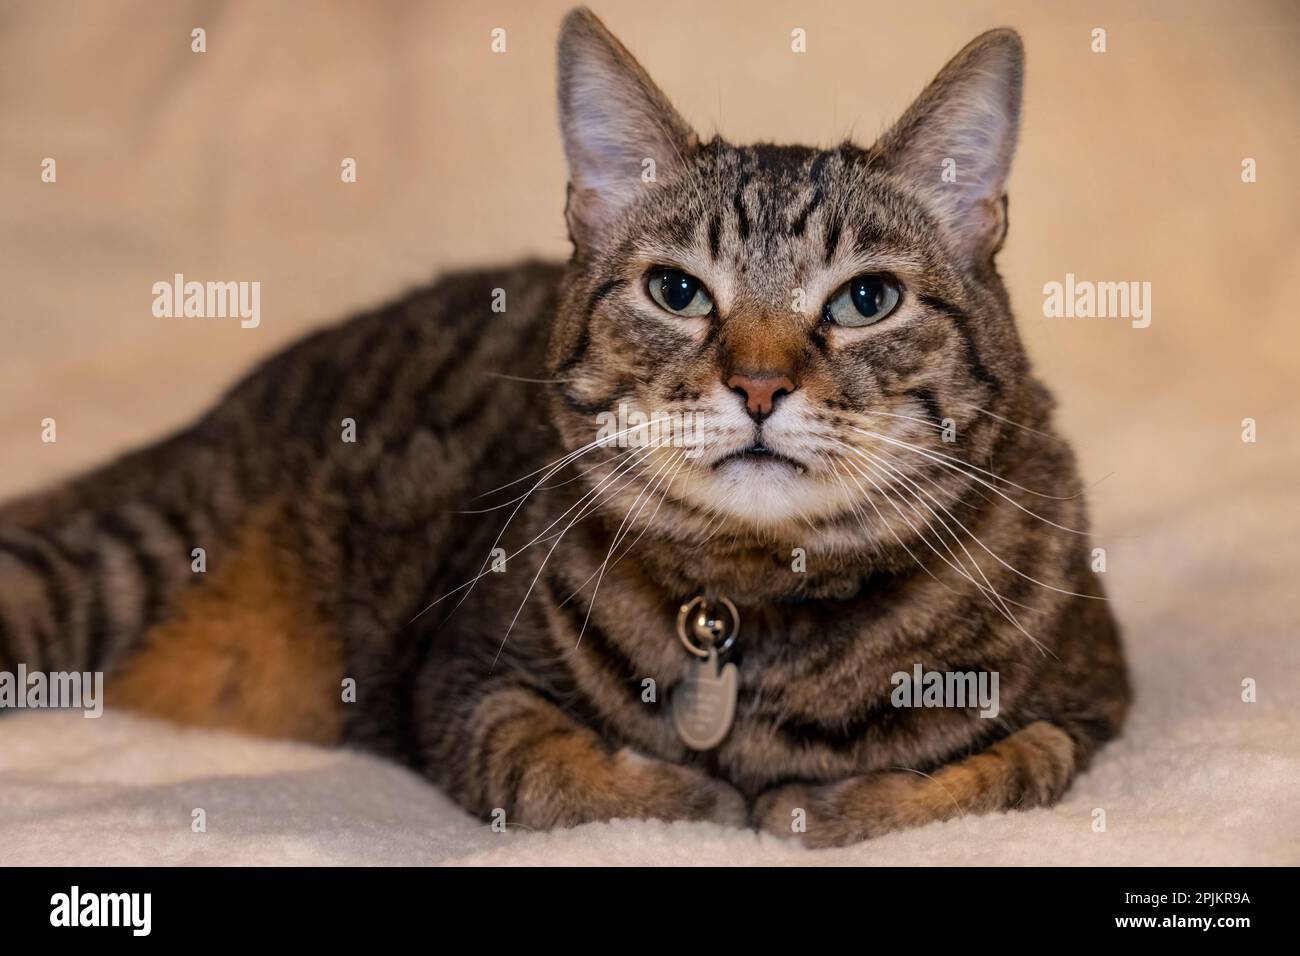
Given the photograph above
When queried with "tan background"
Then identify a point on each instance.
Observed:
(225, 166)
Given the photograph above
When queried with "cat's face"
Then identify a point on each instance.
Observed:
(794, 326)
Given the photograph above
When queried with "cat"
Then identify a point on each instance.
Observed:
(417, 532)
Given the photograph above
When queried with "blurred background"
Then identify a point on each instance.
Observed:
(225, 165)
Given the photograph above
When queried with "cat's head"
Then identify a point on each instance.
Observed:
(795, 318)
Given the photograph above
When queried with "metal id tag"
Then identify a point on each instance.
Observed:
(704, 703)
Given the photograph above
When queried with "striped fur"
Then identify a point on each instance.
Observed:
(542, 691)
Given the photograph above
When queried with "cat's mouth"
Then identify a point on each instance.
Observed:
(760, 454)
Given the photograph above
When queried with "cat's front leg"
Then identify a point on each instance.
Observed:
(543, 770)
(1030, 768)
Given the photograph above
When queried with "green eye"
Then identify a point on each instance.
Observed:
(679, 293)
(863, 301)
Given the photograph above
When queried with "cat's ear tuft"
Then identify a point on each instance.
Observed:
(620, 132)
(956, 141)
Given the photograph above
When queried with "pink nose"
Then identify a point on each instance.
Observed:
(761, 391)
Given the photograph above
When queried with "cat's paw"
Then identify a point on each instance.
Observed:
(673, 792)
(834, 814)
(730, 807)
(783, 811)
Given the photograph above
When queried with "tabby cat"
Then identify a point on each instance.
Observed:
(558, 619)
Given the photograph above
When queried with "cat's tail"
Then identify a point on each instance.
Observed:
(87, 569)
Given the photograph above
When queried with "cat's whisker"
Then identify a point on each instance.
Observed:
(996, 601)
(943, 515)
(929, 526)
(716, 518)
(866, 495)
(950, 461)
(617, 539)
(681, 461)
(868, 473)
(682, 464)
(541, 487)
(986, 589)
(487, 561)
(541, 536)
(1007, 421)
(886, 524)
(940, 460)
(567, 459)
(526, 380)
(976, 539)
(830, 465)
(575, 454)
(910, 418)
(587, 509)
(591, 495)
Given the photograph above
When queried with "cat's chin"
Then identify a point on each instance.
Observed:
(765, 491)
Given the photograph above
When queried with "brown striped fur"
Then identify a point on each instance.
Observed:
(250, 652)
(543, 691)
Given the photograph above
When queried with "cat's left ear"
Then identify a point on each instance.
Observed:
(956, 141)
(620, 132)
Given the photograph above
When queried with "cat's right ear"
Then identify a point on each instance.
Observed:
(955, 142)
(620, 132)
